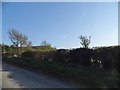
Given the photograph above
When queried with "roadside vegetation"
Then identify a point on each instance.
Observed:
(95, 67)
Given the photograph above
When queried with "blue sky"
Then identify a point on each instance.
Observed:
(0, 22)
(62, 23)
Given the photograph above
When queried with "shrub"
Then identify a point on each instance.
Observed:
(62, 55)
(108, 56)
(81, 56)
(45, 55)
(28, 54)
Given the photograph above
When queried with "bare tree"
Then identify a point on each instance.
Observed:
(29, 43)
(85, 41)
(23, 40)
(18, 39)
(14, 36)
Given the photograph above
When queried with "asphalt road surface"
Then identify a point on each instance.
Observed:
(15, 77)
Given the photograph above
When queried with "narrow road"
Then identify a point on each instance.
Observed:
(15, 77)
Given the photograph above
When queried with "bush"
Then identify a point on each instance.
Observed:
(28, 54)
(108, 56)
(62, 55)
(81, 56)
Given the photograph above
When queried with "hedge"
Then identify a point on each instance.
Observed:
(107, 57)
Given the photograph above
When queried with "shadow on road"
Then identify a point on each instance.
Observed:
(28, 79)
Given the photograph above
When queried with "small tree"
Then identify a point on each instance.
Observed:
(85, 41)
(45, 43)
(46, 46)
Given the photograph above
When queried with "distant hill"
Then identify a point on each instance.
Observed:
(43, 48)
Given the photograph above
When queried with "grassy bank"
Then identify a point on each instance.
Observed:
(85, 76)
